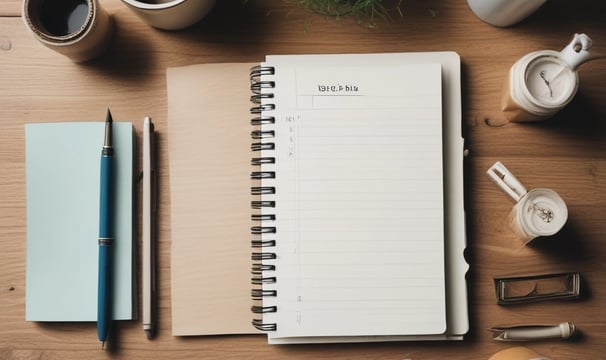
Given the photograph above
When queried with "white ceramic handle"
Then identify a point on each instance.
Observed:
(577, 52)
(501, 176)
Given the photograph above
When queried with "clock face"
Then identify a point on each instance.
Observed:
(549, 80)
(542, 212)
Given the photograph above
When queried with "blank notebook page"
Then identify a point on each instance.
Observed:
(359, 201)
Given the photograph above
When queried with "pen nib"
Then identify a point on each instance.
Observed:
(102, 345)
(107, 142)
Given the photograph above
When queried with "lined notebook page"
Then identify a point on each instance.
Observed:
(359, 201)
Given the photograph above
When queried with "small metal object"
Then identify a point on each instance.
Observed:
(561, 331)
(524, 289)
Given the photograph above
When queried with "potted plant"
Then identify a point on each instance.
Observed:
(364, 11)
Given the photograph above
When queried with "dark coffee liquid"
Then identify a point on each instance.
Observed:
(63, 17)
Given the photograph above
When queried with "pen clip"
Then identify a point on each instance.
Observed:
(153, 180)
(501, 176)
(153, 173)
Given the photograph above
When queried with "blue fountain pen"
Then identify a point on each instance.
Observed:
(106, 234)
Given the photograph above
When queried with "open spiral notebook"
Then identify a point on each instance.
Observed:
(350, 194)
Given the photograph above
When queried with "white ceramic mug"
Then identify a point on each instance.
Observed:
(78, 29)
(504, 12)
(538, 212)
(170, 14)
(543, 82)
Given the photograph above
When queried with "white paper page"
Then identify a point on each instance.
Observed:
(453, 145)
(359, 201)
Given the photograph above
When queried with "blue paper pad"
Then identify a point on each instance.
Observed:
(62, 176)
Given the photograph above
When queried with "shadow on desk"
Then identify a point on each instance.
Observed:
(565, 247)
(56, 330)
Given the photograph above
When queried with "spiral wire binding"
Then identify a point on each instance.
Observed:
(262, 146)
(262, 190)
(261, 271)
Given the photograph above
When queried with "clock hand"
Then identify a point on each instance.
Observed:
(542, 75)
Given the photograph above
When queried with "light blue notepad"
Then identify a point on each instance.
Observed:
(62, 177)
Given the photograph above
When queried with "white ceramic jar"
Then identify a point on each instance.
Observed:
(541, 83)
(504, 12)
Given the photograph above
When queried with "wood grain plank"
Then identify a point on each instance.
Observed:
(566, 153)
(10, 8)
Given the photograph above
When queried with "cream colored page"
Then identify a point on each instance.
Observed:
(359, 201)
(209, 153)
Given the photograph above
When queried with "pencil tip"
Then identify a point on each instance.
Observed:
(108, 116)
(102, 345)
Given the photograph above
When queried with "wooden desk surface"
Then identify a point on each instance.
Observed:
(566, 153)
